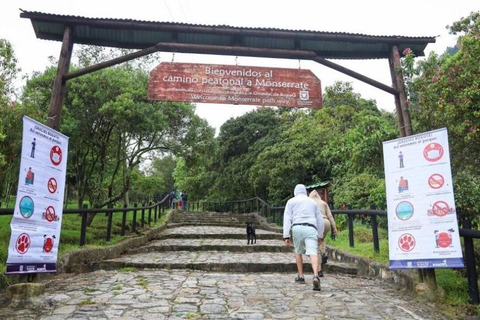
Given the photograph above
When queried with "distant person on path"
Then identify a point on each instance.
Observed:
(184, 200)
(329, 224)
(172, 199)
(34, 144)
(305, 220)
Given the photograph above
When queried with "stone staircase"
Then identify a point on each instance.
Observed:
(212, 241)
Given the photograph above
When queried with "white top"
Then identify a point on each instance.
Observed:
(302, 209)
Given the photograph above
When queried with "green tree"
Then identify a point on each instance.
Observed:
(445, 91)
(10, 121)
(113, 128)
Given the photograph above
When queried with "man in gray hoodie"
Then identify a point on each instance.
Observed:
(305, 220)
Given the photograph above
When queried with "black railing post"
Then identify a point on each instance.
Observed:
(134, 222)
(124, 220)
(373, 221)
(350, 229)
(142, 224)
(109, 224)
(149, 213)
(470, 262)
(83, 228)
(376, 243)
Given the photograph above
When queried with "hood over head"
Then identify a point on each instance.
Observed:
(314, 194)
(300, 189)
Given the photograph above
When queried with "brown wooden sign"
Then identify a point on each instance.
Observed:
(210, 83)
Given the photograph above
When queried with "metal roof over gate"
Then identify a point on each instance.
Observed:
(220, 39)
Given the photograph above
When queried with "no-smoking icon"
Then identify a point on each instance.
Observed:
(52, 185)
(50, 214)
(440, 208)
(436, 181)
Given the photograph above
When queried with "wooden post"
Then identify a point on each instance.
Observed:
(59, 86)
(398, 108)
(403, 114)
(402, 96)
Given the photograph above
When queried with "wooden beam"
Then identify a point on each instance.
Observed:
(59, 85)
(355, 75)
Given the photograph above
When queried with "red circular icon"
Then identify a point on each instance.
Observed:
(56, 155)
(23, 243)
(436, 181)
(406, 242)
(50, 214)
(52, 185)
(48, 244)
(440, 208)
(444, 240)
(433, 152)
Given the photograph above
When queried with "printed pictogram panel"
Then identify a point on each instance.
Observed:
(440, 208)
(433, 152)
(56, 155)
(436, 181)
(52, 185)
(404, 210)
(406, 242)
(23, 243)
(50, 214)
(26, 207)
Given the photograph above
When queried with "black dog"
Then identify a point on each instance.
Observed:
(251, 236)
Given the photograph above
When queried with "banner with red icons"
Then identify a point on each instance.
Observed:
(422, 221)
(37, 217)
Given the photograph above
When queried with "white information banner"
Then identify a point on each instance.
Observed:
(37, 217)
(422, 221)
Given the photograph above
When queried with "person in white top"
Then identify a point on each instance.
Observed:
(305, 220)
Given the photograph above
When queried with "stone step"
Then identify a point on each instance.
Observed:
(237, 236)
(232, 245)
(218, 261)
(210, 223)
(214, 232)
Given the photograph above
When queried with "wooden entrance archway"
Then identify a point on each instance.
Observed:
(149, 37)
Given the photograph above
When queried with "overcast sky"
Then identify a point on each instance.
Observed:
(372, 17)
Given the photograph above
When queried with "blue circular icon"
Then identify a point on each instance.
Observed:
(26, 207)
(404, 210)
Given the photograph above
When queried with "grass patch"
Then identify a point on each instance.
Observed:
(142, 282)
(363, 242)
(127, 269)
(86, 302)
(89, 290)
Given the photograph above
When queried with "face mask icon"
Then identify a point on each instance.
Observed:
(433, 152)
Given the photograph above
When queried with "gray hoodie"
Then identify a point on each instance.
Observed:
(302, 209)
